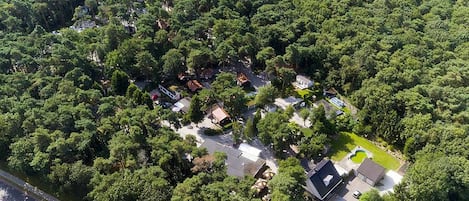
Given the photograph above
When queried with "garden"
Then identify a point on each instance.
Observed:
(346, 142)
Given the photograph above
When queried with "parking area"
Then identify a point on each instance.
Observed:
(345, 192)
(387, 184)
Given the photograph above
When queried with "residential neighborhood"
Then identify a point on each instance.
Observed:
(326, 179)
(230, 100)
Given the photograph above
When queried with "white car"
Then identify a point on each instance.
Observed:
(357, 194)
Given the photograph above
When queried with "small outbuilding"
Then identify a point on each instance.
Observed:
(194, 85)
(242, 80)
(219, 115)
(370, 172)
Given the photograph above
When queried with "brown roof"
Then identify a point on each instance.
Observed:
(194, 85)
(219, 113)
(371, 170)
(207, 73)
(330, 91)
(242, 78)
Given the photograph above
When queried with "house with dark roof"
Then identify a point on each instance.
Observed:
(207, 73)
(239, 163)
(330, 92)
(322, 179)
(370, 172)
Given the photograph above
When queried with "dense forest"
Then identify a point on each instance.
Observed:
(403, 63)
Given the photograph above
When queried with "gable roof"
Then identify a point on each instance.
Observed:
(371, 170)
(182, 105)
(324, 178)
(302, 78)
(219, 113)
(237, 164)
(242, 78)
(194, 85)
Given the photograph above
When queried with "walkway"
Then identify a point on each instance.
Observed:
(34, 191)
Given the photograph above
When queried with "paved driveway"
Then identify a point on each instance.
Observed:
(345, 192)
(256, 81)
(387, 184)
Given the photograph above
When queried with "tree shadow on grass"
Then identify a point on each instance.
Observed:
(339, 143)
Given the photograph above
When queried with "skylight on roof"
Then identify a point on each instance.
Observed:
(327, 180)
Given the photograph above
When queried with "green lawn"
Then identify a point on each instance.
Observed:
(303, 92)
(348, 141)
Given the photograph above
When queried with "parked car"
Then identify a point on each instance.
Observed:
(166, 105)
(357, 194)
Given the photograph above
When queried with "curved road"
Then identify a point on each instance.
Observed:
(24, 186)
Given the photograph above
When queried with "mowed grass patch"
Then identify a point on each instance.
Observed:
(304, 92)
(307, 132)
(348, 141)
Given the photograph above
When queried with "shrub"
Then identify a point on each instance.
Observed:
(212, 132)
(227, 126)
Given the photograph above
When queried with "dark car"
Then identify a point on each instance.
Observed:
(166, 105)
(357, 194)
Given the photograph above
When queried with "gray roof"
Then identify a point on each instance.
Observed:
(182, 105)
(371, 170)
(236, 163)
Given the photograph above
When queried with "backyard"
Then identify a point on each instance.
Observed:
(348, 141)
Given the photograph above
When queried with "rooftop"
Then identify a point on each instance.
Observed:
(219, 114)
(182, 105)
(324, 178)
(242, 78)
(285, 102)
(238, 163)
(194, 85)
(371, 170)
(303, 78)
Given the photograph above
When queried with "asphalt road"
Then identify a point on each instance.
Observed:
(23, 188)
(10, 193)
